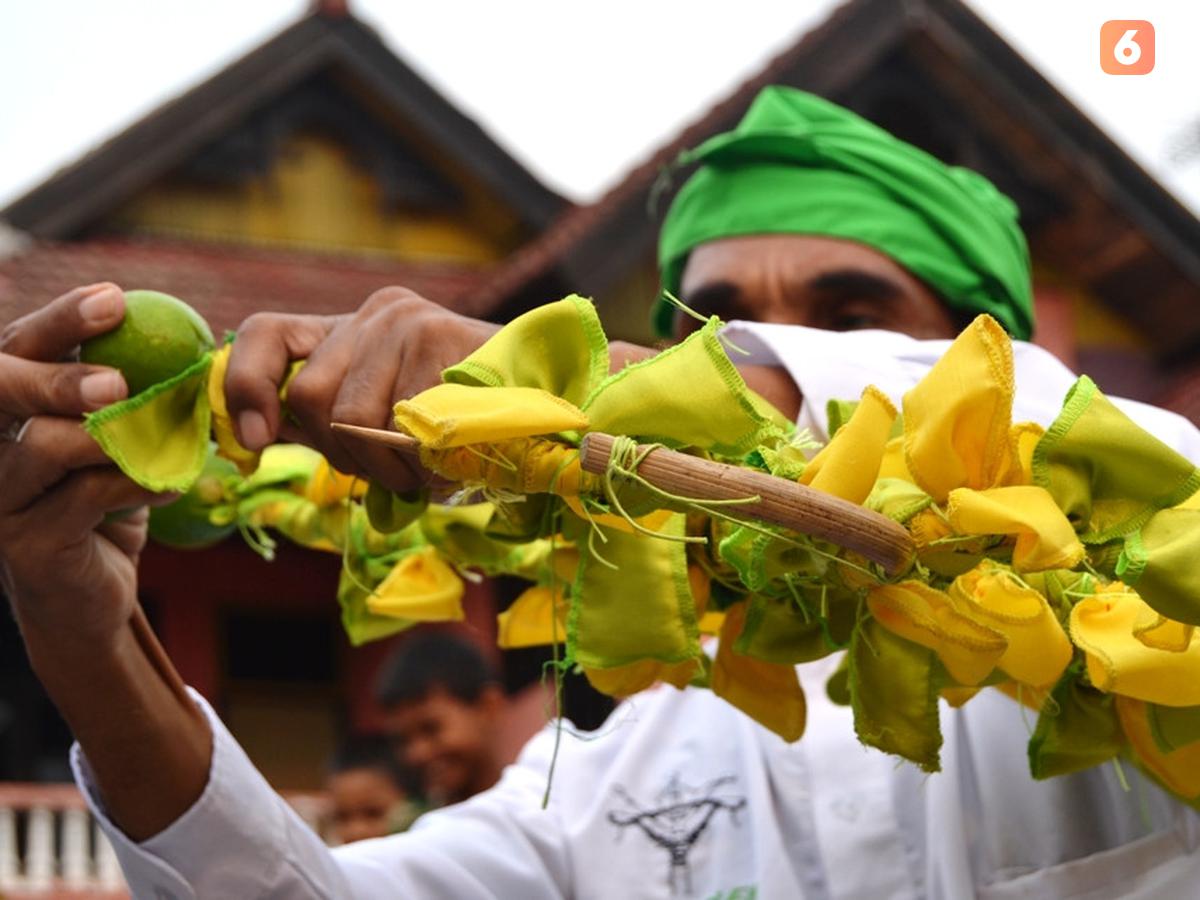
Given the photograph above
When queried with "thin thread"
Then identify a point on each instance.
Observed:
(499, 460)
(593, 531)
(1029, 728)
(804, 440)
(558, 677)
(624, 459)
(861, 632)
(1120, 770)
(466, 574)
(803, 545)
(790, 582)
(258, 540)
(683, 307)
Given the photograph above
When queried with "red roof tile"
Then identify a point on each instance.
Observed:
(227, 283)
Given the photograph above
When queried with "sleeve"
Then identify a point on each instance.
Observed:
(241, 839)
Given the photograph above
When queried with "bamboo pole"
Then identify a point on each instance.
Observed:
(781, 502)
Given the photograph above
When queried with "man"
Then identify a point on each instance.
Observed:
(804, 215)
(443, 705)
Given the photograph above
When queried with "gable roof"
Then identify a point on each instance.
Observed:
(329, 38)
(1087, 207)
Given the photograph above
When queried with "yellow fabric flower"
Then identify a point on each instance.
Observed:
(1044, 536)
(926, 616)
(1179, 770)
(456, 415)
(222, 423)
(630, 678)
(848, 465)
(957, 420)
(328, 487)
(421, 588)
(1155, 630)
(1024, 439)
(537, 617)
(1038, 650)
(893, 464)
(1119, 662)
(710, 620)
(767, 692)
(521, 465)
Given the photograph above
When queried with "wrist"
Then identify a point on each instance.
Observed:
(54, 648)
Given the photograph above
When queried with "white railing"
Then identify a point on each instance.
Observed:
(50, 847)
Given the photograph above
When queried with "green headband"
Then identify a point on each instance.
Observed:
(798, 164)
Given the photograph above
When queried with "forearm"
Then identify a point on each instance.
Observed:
(148, 746)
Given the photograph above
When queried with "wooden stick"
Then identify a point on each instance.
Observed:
(378, 436)
(781, 502)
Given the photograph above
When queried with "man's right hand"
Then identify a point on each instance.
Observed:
(358, 365)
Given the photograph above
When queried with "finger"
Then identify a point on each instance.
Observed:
(30, 389)
(266, 345)
(76, 506)
(48, 451)
(311, 394)
(55, 329)
(314, 390)
(127, 532)
(367, 394)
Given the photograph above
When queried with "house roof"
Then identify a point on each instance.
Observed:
(1087, 207)
(221, 281)
(329, 38)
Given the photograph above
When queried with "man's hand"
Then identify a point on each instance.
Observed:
(395, 346)
(70, 569)
(69, 574)
(359, 365)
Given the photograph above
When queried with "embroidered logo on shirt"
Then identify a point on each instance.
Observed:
(745, 892)
(679, 816)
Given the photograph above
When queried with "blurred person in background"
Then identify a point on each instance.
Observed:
(442, 703)
(370, 795)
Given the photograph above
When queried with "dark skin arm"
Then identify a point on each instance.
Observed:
(71, 577)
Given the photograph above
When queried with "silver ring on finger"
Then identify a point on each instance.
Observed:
(14, 431)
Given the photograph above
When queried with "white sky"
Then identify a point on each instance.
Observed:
(618, 78)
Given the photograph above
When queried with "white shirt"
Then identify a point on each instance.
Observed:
(680, 795)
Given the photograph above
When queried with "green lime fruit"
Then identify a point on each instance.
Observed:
(159, 338)
(187, 523)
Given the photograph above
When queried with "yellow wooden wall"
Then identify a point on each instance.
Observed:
(315, 197)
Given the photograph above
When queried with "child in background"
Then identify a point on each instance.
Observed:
(369, 793)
